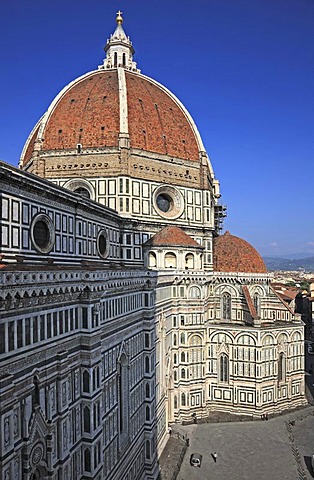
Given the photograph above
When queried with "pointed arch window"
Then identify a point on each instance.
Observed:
(123, 59)
(86, 420)
(281, 368)
(175, 402)
(257, 303)
(224, 368)
(115, 59)
(183, 400)
(226, 306)
(86, 387)
(147, 413)
(147, 390)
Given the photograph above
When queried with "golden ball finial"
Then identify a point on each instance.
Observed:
(119, 18)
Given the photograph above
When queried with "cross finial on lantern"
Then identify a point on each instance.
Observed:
(119, 18)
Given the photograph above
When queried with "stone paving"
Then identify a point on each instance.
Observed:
(278, 449)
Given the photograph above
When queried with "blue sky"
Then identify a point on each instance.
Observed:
(243, 68)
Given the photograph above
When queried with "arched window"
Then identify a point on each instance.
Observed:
(175, 375)
(182, 372)
(195, 292)
(87, 457)
(152, 260)
(226, 306)
(224, 368)
(146, 364)
(183, 357)
(115, 59)
(183, 400)
(147, 449)
(36, 393)
(175, 358)
(182, 338)
(281, 368)
(147, 413)
(86, 420)
(170, 260)
(123, 59)
(257, 303)
(83, 192)
(147, 390)
(175, 402)
(189, 261)
(86, 387)
(174, 340)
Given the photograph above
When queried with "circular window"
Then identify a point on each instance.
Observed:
(82, 191)
(164, 202)
(42, 233)
(81, 187)
(102, 244)
(168, 202)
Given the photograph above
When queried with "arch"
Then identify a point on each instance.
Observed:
(245, 339)
(86, 384)
(268, 340)
(81, 187)
(170, 260)
(257, 303)
(224, 368)
(182, 372)
(147, 390)
(152, 260)
(87, 459)
(189, 261)
(183, 357)
(226, 306)
(147, 415)
(281, 367)
(175, 401)
(147, 366)
(195, 292)
(219, 337)
(183, 399)
(124, 59)
(86, 419)
(195, 340)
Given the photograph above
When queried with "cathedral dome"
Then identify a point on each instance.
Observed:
(233, 254)
(97, 109)
(113, 107)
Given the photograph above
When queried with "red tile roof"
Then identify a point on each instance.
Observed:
(172, 236)
(233, 254)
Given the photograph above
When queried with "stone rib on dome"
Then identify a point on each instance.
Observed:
(233, 254)
(174, 237)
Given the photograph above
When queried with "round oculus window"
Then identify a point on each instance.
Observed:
(164, 202)
(102, 244)
(82, 191)
(168, 202)
(42, 233)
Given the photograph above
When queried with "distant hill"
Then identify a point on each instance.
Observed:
(280, 263)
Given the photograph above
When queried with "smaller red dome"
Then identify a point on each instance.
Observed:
(233, 254)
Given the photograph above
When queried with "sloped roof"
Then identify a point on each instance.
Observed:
(174, 237)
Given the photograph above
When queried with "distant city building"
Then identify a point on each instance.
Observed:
(122, 308)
